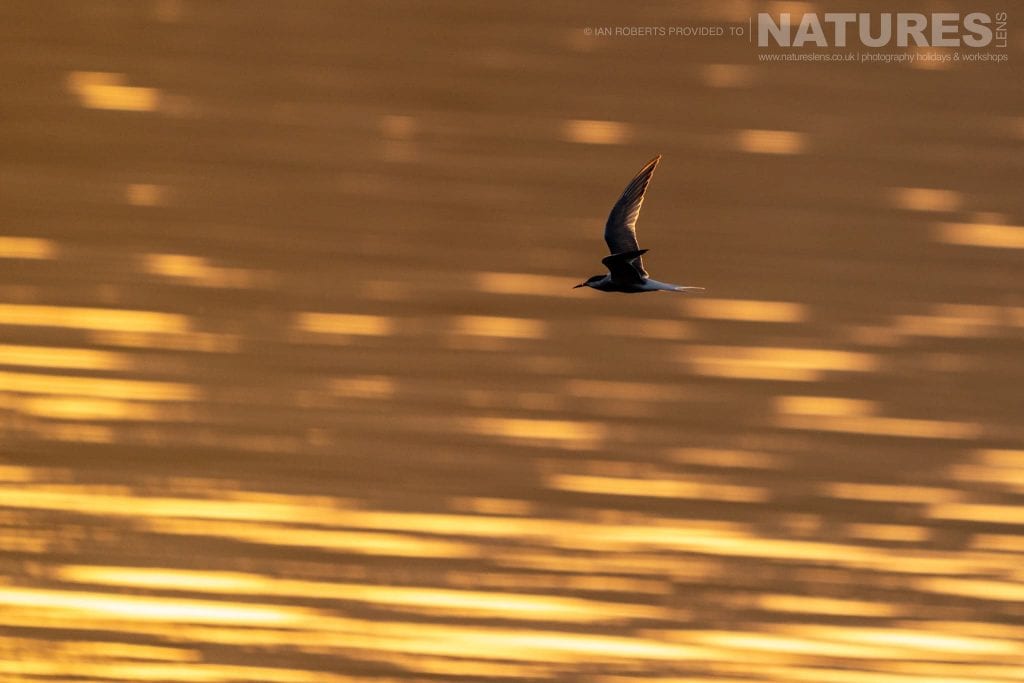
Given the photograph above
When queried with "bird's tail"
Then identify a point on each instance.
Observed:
(669, 287)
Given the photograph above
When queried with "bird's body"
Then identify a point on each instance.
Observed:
(608, 284)
(626, 272)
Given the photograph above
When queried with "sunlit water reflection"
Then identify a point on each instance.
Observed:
(293, 386)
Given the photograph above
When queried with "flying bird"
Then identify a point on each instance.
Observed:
(625, 266)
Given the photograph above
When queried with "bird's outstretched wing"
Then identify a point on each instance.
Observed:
(623, 267)
(620, 230)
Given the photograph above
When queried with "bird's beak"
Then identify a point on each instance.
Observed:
(578, 286)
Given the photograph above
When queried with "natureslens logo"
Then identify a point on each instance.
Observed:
(939, 40)
(888, 29)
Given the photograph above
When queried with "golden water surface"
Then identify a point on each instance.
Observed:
(294, 386)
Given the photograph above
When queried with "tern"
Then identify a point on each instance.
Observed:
(626, 265)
